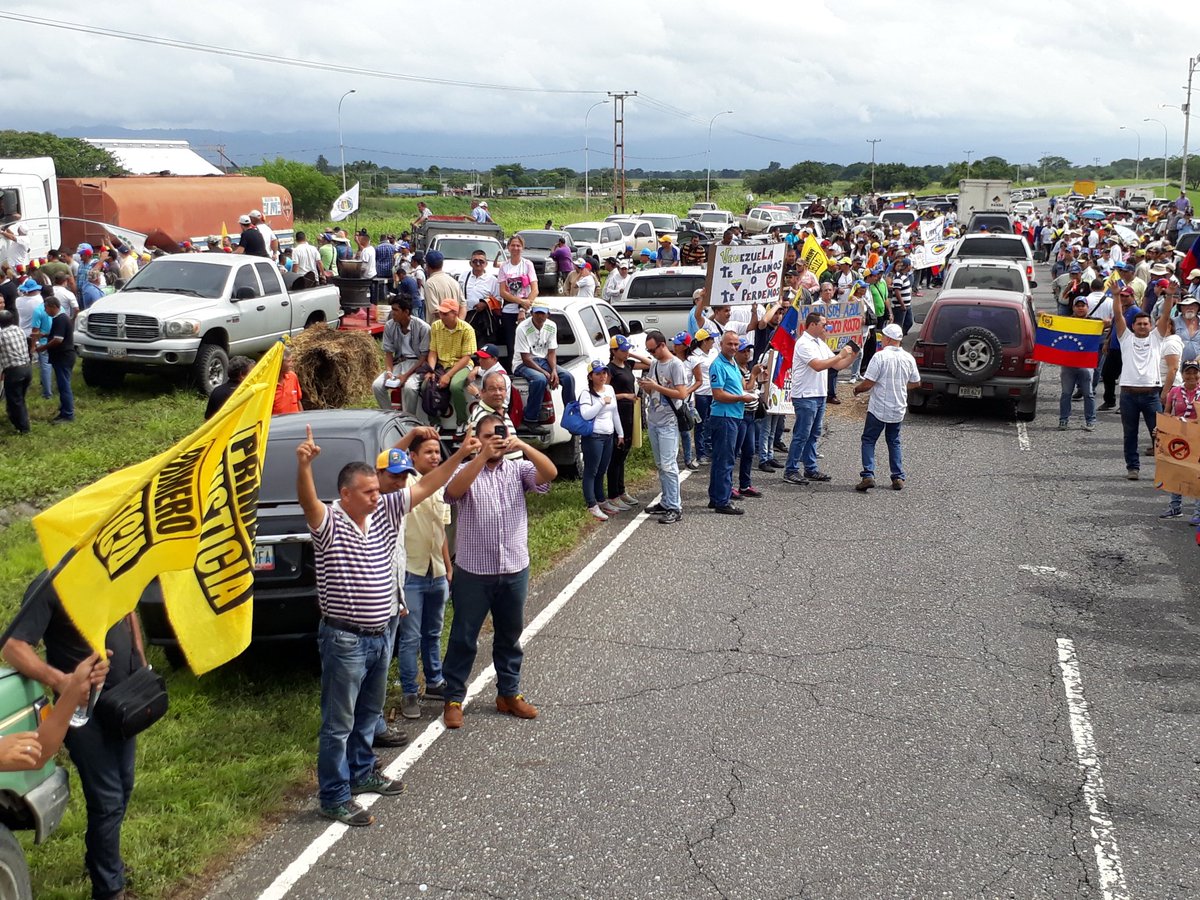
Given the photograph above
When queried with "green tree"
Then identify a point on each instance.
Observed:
(322, 164)
(312, 193)
(73, 157)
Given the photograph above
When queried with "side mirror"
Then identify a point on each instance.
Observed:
(244, 293)
(635, 326)
(1033, 284)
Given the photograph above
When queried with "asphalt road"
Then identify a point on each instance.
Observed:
(835, 695)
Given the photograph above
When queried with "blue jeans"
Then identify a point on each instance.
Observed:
(46, 371)
(664, 444)
(597, 454)
(746, 446)
(703, 438)
(726, 434)
(353, 685)
(1176, 504)
(105, 766)
(1072, 379)
(870, 437)
(833, 375)
(62, 375)
(685, 439)
(474, 597)
(769, 429)
(421, 630)
(810, 415)
(1135, 408)
(538, 383)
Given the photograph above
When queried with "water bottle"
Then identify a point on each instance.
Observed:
(83, 713)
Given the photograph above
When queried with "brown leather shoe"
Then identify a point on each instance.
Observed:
(516, 705)
(452, 714)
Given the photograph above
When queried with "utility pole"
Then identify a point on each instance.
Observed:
(1187, 118)
(873, 142)
(968, 152)
(1045, 153)
(619, 139)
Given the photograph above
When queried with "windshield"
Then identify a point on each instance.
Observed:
(462, 248)
(988, 278)
(1002, 321)
(713, 217)
(627, 228)
(583, 235)
(662, 223)
(1011, 248)
(665, 287)
(181, 276)
(539, 240)
(899, 215)
(279, 470)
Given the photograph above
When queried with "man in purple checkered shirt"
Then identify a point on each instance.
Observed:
(491, 564)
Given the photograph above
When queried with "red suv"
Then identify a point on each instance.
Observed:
(975, 344)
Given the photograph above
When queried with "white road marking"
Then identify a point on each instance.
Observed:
(1023, 437)
(1047, 571)
(1108, 857)
(300, 866)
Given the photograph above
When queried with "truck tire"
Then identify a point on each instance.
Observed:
(973, 354)
(103, 375)
(314, 319)
(1027, 409)
(14, 871)
(211, 368)
(568, 458)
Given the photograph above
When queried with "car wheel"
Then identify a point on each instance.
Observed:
(973, 354)
(1027, 409)
(568, 458)
(210, 368)
(97, 374)
(918, 402)
(14, 871)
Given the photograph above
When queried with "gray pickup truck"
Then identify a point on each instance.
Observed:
(191, 312)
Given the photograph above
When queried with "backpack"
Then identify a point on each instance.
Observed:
(574, 422)
(435, 400)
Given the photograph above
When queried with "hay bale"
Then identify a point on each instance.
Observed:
(335, 368)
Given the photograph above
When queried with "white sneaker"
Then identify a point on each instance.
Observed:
(598, 513)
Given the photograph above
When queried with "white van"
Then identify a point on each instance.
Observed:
(29, 191)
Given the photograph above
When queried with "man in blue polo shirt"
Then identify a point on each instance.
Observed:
(727, 424)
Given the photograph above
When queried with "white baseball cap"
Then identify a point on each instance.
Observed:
(893, 331)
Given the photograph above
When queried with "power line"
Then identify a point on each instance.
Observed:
(279, 60)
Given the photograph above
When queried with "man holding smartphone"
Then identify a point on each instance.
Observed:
(811, 361)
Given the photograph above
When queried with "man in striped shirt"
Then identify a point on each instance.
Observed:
(354, 541)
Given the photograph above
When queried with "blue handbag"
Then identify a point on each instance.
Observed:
(574, 422)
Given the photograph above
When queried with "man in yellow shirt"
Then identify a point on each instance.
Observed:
(451, 348)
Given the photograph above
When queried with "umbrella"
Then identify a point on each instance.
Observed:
(1094, 214)
(1128, 235)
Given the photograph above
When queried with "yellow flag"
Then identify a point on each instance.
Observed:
(187, 516)
(224, 233)
(812, 254)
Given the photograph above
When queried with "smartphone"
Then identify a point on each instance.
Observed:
(853, 346)
(501, 431)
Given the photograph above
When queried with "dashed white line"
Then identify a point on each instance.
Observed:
(299, 867)
(1108, 856)
(1023, 437)
(1047, 571)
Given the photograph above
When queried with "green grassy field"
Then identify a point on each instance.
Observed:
(239, 744)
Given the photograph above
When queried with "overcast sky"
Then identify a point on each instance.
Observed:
(931, 79)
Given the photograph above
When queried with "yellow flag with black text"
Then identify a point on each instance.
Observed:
(811, 253)
(187, 517)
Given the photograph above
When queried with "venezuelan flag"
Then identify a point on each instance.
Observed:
(1068, 341)
(784, 340)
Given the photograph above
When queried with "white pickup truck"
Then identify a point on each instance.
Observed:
(191, 312)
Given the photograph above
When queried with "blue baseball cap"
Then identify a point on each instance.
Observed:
(860, 284)
(1123, 266)
(878, 270)
(540, 308)
(646, 253)
(488, 351)
(620, 342)
(434, 258)
(396, 461)
(1074, 267)
(682, 339)
(29, 286)
(597, 366)
(744, 344)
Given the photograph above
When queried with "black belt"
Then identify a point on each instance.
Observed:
(353, 628)
(1126, 389)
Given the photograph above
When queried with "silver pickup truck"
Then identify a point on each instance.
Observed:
(193, 311)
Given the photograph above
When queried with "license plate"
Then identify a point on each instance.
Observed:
(264, 559)
(117, 352)
(965, 391)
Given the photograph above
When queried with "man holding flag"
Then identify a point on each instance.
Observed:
(1077, 365)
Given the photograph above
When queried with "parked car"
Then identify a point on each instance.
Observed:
(190, 312)
(457, 249)
(29, 801)
(538, 244)
(716, 222)
(639, 234)
(898, 218)
(990, 275)
(661, 298)
(760, 218)
(699, 208)
(978, 344)
(991, 246)
(1024, 208)
(601, 238)
(664, 223)
(994, 222)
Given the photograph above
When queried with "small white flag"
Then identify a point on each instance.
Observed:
(344, 205)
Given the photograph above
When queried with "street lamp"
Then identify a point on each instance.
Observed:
(587, 193)
(341, 146)
(708, 150)
(873, 142)
(1187, 119)
(1165, 141)
(968, 153)
(1137, 166)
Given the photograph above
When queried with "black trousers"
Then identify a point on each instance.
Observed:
(1109, 373)
(16, 384)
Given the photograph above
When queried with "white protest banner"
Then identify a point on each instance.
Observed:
(931, 229)
(926, 256)
(742, 274)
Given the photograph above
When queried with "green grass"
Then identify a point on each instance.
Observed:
(239, 744)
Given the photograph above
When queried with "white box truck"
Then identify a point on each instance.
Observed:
(983, 195)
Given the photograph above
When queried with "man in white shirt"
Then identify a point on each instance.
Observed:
(890, 375)
(268, 233)
(1141, 378)
(18, 249)
(618, 273)
(306, 262)
(536, 346)
(366, 251)
(65, 298)
(811, 361)
(479, 284)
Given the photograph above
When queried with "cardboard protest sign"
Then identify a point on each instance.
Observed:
(931, 229)
(1177, 456)
(741, 274)
(844, 320)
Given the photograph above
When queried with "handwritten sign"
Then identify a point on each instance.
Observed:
(844, 320)
(741, 274)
